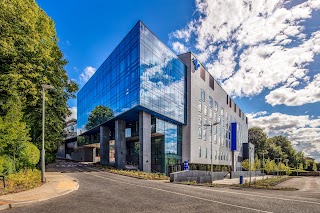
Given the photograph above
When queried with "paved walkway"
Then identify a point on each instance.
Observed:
(237, 180)
(307, 184)
(57, 184)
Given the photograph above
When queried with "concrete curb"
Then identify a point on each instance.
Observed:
(20, 204)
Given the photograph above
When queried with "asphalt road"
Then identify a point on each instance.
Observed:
(105, 192)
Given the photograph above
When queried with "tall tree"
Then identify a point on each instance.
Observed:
(257, 137)
(13, 131)
(99, 115)
(29, 57)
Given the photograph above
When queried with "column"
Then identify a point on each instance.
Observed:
(120, 144)
(145, 141)
(104, 145)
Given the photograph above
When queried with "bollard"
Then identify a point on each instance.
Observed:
(241, 179)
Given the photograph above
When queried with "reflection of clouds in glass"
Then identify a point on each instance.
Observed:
(162, 92)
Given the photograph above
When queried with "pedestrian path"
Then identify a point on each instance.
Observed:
(56, 185)
(237, 180)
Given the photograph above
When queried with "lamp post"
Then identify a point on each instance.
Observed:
(263, 163)
(250, 165)
(279, 159)
(214, 124)
(44, 88)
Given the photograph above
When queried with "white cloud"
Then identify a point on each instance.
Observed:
(246, 43)
(301, 130)
(296, 97)
(86, 74)
(73, 113)
(179, 48)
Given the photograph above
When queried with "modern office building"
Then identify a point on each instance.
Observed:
(154, 105)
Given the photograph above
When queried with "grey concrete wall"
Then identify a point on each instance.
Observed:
(89, 154)
(246, 174)
(190, 138)
(120, 144)
(78, 156)
(196, 175)
(104, 145)
(145, 141)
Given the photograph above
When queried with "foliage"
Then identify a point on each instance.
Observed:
(269, 165)
(246, 165)
(300, 167)
(23, 180)
(137, 174)
(257, 164)
(282, 167)
(29, 155)
(99, 115)
(258, 138)
(314, 167)
(29, 57)
(275, 147)
(13, 131)
(268, 183)
(6, 165)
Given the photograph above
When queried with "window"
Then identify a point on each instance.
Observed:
(202, 95)
(199, 151)
(199, 133)
(227, 99)
(205, 122)
(235, 108)
(206, 153)
(205, 111)
(216, 153)
(204, 134)
(210, 102)
(210, 113)
(211, 82)
(200, 106)
(202, 73)
(215, 106)
(230, 102)
(200, 120)
(246, 120)
(240, 113)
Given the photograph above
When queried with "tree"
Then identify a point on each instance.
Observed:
(269, 165)
(29, 57)
(98, 116)
(246, 165)
(301, 167)
(257, 164)
(314, 167)
(13, 131)
(257, 137)
(29, 155)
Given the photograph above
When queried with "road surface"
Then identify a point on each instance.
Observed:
(106, 192)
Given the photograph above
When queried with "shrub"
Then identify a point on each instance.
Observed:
(6, 165)
(23, 180)
(29, 155)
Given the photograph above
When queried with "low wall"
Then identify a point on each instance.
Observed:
(196, 175)
(246, 174)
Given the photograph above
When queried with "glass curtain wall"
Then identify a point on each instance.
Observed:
(115, 84)
(162, 78)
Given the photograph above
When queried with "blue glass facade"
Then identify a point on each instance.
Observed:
(140, 74)
(115, 84)
(162, 78)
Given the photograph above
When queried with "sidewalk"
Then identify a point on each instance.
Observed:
(57, 184)
(237, 180)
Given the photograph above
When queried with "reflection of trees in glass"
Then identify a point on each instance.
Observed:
(99, 115)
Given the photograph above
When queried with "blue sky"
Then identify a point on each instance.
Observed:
(265, 53)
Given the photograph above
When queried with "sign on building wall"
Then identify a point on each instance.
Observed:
(233, 136)
(196, 64)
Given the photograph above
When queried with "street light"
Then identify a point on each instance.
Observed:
(263, 163)
(214, 124)
(44, 88)
(250, 148)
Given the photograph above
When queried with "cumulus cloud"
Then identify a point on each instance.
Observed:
(296, 97)
(178, 47)
(255, 45)
(73, 115)
(302, 130)
(86, 74)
